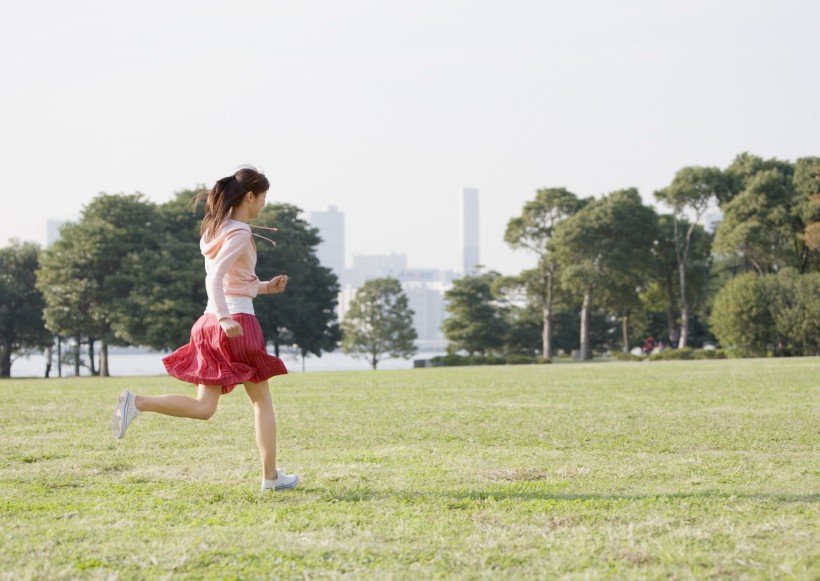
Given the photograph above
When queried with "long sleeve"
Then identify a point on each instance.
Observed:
(233, 247)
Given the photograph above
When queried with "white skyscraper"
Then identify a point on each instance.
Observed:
(53, 231)
(468, 229)
(331, 226)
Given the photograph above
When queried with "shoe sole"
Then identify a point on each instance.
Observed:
(119, 425)
(283, 486)
(288, 486)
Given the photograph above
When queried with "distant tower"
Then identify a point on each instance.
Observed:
(53, 231)
(468, 229)
(331, 226)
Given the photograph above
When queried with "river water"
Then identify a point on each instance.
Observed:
(143, 362)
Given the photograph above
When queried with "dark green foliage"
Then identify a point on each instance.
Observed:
(454, 360)
(477, 322)
(379, 322)
(85, 276)
(21, 305)
(604, 254)
(778, 314)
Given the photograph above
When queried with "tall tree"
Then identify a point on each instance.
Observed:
(603, 248)
(663, 292)
(691, 192)
(476, 323)
(531, 231)
(379, 323)
(86, 289)
(21, 305)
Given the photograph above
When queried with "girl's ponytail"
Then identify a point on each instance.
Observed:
(227, 193)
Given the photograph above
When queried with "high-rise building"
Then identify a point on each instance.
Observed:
(331, 226)
(370, 266)
(468, 229)
(53, 231)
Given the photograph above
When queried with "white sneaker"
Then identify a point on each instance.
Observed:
(283, 481)
(124, 413)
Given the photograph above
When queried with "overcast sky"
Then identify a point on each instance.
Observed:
(387, 109)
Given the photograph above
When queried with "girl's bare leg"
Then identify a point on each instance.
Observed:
(201, 408)
(259, 394)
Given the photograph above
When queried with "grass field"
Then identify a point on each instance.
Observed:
(685, 470)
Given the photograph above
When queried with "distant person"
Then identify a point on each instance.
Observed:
(227, 347)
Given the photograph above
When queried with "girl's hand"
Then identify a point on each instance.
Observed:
(277, 284)
(231, 327)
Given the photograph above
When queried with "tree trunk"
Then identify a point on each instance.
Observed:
(49, 357)
(5, 358)
(684, 308)
(586, 352)
(683, 255)
(104, 358)
(77, 357)
(546, 338)
(625, 331)
(670, 309)
(59, 356)
(374, 362)
(92, 366)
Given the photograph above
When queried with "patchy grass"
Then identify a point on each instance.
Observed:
(673, 470)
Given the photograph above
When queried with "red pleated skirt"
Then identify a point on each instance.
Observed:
(213, 358)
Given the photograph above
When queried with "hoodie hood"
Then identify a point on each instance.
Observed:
(211, 248)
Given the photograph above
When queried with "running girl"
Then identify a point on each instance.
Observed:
(227, 347)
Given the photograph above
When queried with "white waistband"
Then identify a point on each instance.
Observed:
(237, 304)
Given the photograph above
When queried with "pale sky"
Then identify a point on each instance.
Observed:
(387, 109)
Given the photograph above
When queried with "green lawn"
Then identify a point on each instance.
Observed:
(683, 470)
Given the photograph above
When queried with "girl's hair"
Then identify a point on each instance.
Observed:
(227, 193)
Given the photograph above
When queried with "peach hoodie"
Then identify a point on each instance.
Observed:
(230, 260)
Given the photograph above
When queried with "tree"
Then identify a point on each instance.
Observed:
(168, 292)
(21, 305)
(531, 231)
(692, 190)
(87, 291)
(755, 315)
(476, 323)
(795, 306)
(524, 324)
(604, 248)
(305, 315)
(379, 322)
(663, 291)
(807, 211)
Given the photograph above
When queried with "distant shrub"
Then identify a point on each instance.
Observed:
(515, 359)
(672, 354)
(621, 356)
(710, 354)
(449, 361)
(687, 353)
(461, 360)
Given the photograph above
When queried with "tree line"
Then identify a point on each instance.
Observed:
(611, 272)
(608, 273)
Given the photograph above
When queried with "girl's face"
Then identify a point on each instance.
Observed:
(256, 204)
